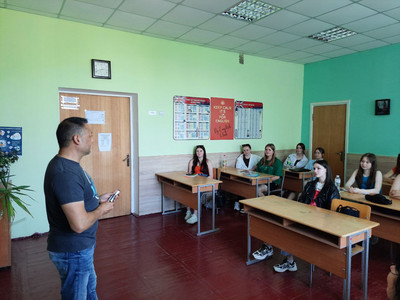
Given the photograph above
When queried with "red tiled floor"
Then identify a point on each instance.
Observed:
(160, 257)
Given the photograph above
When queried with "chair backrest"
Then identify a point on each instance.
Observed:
(365, 210)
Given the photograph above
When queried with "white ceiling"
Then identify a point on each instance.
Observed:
(281, 36)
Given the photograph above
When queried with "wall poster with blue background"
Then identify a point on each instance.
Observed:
(11, 139)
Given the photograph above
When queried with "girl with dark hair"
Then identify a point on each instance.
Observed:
(318, 155)
(393, 282)
(199, 164)
(391, 174)
(298, 159)
(319, 192)
(367, 177)
(272, 165)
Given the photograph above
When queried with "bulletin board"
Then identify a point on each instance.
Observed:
(191, 118)
(248, 120)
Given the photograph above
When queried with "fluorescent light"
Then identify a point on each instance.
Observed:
(332, 34)
(250, 10)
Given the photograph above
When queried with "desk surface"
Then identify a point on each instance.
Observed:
(240, 173)
(179, 176)
(361, 198)
(331, 222)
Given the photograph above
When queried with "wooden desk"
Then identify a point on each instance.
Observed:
(186, 190)
(388, 216)
(236, 182)
(318, 236)
(295, 181)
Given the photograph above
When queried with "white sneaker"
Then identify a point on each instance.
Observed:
(237, 206)
(286, 266)
(192, 219)
(188, 215)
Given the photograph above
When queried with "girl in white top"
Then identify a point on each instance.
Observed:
(246, 160)
(367, 178)
(298, 159)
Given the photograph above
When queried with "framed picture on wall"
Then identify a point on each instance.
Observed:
(382, 107)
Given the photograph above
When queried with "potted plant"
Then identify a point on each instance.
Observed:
(10, 195)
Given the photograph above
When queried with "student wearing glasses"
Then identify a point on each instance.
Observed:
(318, 155)
(246, 161)
(199, 164)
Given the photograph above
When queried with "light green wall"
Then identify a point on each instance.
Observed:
(363, 78)
(38, 55)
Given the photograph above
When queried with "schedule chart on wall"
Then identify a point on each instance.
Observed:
(191, 118)
(248, 120)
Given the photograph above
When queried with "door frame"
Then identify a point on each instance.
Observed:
(133, 103)
(346, 142)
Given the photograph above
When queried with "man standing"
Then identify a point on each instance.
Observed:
(73, 209)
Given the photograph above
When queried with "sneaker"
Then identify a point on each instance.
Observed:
(285, 266)
(188, 215)
(264, 252)
(192, 219)
(237, 207)
(242, 211)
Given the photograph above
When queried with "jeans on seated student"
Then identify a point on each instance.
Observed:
(319, 193)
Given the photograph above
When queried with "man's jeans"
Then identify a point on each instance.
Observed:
(77, 274)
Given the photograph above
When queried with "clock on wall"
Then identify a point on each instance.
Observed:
(101, 69)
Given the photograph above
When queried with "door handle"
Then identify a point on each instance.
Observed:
(127, 160)
(341, 155)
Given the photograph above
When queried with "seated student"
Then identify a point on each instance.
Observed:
(319, 192)
(395, 189)
(272, 165)
(367, 177)
(198, 164)
(298, 159)
(246, 161)
(318, 154)
(391, 174)
(393, 282)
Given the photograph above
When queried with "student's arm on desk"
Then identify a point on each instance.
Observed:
(376, 190)
(388, 175)
(395, 190)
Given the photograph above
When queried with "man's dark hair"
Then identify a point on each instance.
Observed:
(68, 128)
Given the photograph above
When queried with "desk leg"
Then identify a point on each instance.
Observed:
(347, 281)
(249, 261)
(163, 203)
(198, 211)
(364, 264)
(269, 186)
(213, 229)
(257, 189)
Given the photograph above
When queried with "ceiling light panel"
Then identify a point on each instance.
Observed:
(332, 34)
(250, 10)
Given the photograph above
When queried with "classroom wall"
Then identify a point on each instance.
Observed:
(39, 55)
(362, 78)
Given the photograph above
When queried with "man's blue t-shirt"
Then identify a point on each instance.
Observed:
(65, 182)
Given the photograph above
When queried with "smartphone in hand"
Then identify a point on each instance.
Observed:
(112, 197)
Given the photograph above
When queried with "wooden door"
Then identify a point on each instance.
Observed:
(107, 168)
(329, 132)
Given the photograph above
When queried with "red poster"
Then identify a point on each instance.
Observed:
(222, 119)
